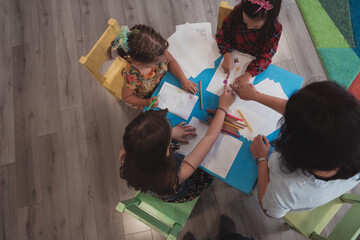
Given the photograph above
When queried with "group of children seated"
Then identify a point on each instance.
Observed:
(317, 153)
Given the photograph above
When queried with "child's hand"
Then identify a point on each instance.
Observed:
(181, 131)
(245, 92)
(226, 98)
(150, 100)
(227, 64)
(243, 79)
(188, 85)
(260, 147)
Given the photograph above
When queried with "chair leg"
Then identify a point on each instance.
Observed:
(174, 232)
(315, 236)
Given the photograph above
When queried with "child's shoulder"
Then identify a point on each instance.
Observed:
(278, 26)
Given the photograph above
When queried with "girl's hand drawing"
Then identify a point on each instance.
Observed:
(227, 64)
(245, 92)
(181, 131)
(150, 100)
(243, 79)
(189, 86)
(226, 99)
(260, 147)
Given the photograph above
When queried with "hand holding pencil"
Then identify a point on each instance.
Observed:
(153, 102)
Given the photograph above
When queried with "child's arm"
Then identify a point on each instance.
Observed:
(249, 92)
(129, 97)
(266, 54)
(224, 35)
(201, 150)
(174, 67)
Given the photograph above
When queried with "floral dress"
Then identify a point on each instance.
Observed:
(143, 84)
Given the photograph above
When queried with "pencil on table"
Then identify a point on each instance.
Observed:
(242, 116)
(201, 99)
(237, 127)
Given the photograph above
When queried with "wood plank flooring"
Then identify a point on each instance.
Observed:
(61, 132)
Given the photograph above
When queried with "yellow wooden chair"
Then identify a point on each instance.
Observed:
(111, 79)
(224, 10)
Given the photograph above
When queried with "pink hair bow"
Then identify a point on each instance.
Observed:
(262, 3)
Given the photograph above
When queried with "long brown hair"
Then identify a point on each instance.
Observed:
(146, 166)
(268, 29)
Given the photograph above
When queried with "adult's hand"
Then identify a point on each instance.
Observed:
(260, 147)
(245, 92)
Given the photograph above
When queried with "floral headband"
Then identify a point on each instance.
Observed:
(121, 39)
(262, 3)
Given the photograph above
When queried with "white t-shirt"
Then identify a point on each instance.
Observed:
(299, 192)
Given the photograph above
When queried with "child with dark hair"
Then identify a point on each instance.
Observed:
(317, 153)
(148, 163)
(145, 50)
(252, 27)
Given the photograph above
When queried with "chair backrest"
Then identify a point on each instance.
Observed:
(166, 218)
(311, 223)
(224, 10)
(111, 79)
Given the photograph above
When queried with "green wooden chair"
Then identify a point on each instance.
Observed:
(166, 218)
(310, 223)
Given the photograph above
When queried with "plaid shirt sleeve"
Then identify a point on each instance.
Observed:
(223, 37)
(260, 64)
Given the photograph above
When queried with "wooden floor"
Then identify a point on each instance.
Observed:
(60, 131)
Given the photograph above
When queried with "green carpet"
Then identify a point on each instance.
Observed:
(340, 15)
(340, 62)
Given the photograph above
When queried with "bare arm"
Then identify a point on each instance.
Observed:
(206, 143)
(259, 148)
(174, 68)
(129, 97)
(249, 92)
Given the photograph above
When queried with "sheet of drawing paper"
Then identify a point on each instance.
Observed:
(262, 119)
(222, 154)
(177, 100)
(190, 49)
(204, 29)
(241, 61)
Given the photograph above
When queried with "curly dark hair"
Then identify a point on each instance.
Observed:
(146, 166)
(146, 45)
(321, 130)
(268, 29)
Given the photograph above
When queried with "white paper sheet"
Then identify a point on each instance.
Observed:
(263, 120)
(241, 61)
(176, 100)
(204, 29)
(192, 51)
(221, 156)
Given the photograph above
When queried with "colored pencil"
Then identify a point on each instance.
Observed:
(222, 130)
(235, 117)
(147, 109)
(232, 125)
(201, 98)
(245, 120)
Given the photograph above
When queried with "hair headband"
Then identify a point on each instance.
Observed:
(262, 3)
(121, 39)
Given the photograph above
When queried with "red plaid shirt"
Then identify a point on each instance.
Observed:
(243, 39)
